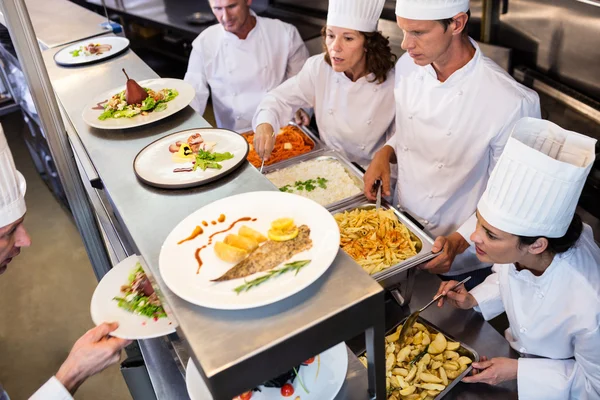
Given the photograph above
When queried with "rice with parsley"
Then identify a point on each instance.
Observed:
(324, 181)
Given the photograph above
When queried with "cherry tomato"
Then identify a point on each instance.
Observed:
(244, 396)
(309, 361)
(287, 390)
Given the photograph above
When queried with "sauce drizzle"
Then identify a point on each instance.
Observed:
(244, 219)
(221, 218)
(204, 223)
(198, 250)
(197, 232)
(99, 106)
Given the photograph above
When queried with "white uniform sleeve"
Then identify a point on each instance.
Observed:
(298, 53)
(279, 105)
(52, 390)
(196, 77)
(487, 294)
(563, 379)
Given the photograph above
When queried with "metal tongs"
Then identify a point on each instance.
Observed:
(377, 185)
(412, 318)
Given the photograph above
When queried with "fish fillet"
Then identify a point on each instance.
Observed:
(269, 255)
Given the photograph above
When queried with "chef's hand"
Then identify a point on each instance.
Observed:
(494, 371)
(91, 353)
(302, 118)
(459, 297)
(379, 169)
(449, 246)
(264, 141)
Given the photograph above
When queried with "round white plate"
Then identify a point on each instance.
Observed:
(186, 95)
(178, 265)
(154, 165)
(104, 309)
(325, 386)
(64, 58)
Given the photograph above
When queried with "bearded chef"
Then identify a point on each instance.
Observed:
(239, 60)
(455, 109)
(350, 86)
(546, 265)
(95, 350)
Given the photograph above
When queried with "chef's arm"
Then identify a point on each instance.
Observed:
(196, 77)
(563, 379)
(298, 53)
(487, 295)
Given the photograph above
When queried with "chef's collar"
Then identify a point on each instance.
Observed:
(527, 276)
(233, 36)
(458, 75)
(343, 78)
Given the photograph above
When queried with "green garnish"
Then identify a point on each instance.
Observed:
(308, 185)
(206, 159)
(286, 188)
(294, 266)
(138, 303)
(300, 380)
(419, 356)
(75, 53)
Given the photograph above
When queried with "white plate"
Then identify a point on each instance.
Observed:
(154, 165)
(185, 97)
(325, 386)
(178, 264)
(104, 309)
(64, 58)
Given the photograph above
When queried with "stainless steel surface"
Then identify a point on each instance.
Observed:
(425, 240)
(332, 155)
(167, 381)
(268, 340)
(378, 199)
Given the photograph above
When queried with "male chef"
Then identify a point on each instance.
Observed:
(95, 350)
(240, 60)
(455, 109)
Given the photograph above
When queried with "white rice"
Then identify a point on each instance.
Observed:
(339, 184)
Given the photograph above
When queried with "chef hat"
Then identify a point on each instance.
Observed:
(430, 9)
(534, 188)
(12, 186)
(360, 15)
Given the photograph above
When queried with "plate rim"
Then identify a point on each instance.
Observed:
(108, 57)
(113, 128)
(196, 183)
(92, 314)
(260, 304)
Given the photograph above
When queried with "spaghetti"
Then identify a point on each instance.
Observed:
(290, 142)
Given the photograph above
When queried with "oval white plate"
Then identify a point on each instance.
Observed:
(178, 265)
(154, 165)
(64, 58)
(186, 95)
(325, 386)
(131, 326)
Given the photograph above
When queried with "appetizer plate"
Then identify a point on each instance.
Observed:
(131, 326)
(154, 165)
(92, 111)
(323, 379)
(179, 266)
(66, 59)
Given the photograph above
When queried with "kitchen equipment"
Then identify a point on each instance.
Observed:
(378, 184)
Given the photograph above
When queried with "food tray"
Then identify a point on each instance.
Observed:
(463, 350)
(351, 170)
(424, 253)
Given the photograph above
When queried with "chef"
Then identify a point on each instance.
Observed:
(455, 109)
(239, 60)
(546, 265)
(350, 86)
(95, 350)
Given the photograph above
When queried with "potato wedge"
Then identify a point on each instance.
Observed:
(241, 242)
(464, 360)
(229, 253)
(393, 337)
(436, 364)
(409, 390)
(443, 376)
(390, 361)
(448, 366)
(430, 378)
(411, 374)
(451, 355)
(433, 386)
(400, 371)
(452, 374)
(423, 395)
(433, 393)
(403, 354)
(453, 346)
(418, 338)
(420, 326)
(438, 345)
(414, 396)
(248, 232)
(439, 357)
(426, 340)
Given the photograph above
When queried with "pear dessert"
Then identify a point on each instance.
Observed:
(136, 100)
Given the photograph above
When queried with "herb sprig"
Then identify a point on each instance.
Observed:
(308, 185)
(293, 266)
(206, 159)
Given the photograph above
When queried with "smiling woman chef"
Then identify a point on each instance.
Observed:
(350, 86)
(547, 266)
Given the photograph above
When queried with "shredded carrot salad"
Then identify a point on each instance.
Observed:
(289, 135)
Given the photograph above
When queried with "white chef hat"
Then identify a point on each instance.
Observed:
(360, 15)
(430, 9)
(12, 186)
(534, 188)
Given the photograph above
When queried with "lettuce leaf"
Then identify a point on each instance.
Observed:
(148, 103)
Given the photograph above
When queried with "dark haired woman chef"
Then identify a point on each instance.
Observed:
(547, 265)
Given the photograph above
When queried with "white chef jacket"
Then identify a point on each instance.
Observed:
(52, 390)
(449, 136)
(240, 72)
(556, 316)
(353, 117)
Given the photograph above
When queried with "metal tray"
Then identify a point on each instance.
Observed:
(463, 350)
(424, 253)
(351, 170)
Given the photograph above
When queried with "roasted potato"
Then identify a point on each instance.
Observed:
(229, 253)
(241, 242)
(252, 234)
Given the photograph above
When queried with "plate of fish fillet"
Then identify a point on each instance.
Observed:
(249, 250)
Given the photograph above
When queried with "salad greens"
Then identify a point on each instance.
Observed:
(117, 106)
(136, 299)
(308, 185)
(206, 159)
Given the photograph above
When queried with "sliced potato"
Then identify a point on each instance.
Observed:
(411, 374)
(436, 364)
(420, 326)
(414, 396)
(401, 382)
(443, 376)
(438, 345)
(433, 393)
(439, 357)
(449, 366)
(409, 390)
(430, 378)
(248, 232)
(403, 353)
(241, 242)
(400, 371)
(418, 338)
(433, 386)
(229, 253)
(451, 355)
(453, 346)
(426, 340)
(423, 395)
(390, 361)
(393, 337)
(464, 360)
